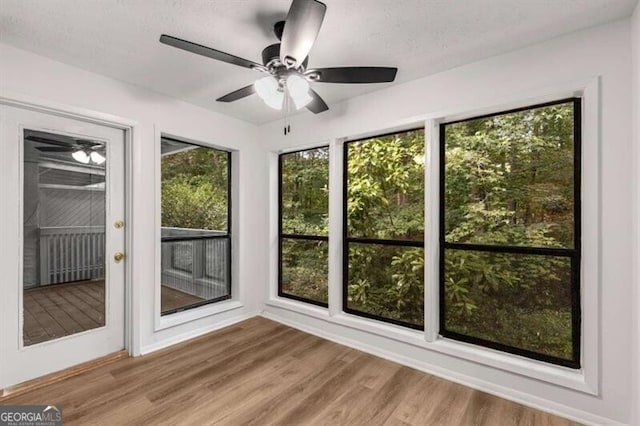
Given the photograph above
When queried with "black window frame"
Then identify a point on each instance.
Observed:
(300, 237)
(227, 236)
(573, 253)
(358, 240)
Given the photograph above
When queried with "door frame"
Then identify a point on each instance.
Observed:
(132, 132)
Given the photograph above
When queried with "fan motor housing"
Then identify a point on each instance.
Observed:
(271, 56)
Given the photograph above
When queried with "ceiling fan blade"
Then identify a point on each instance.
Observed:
(238, 94)
(50, 139)
(352, 75)
(208, 52)
(317, 105)
(61, 140)
(301, 29)
(55, 149)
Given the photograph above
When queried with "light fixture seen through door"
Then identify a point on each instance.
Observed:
(82, 157)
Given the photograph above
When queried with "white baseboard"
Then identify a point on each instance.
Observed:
(472, 382)
(165, 343)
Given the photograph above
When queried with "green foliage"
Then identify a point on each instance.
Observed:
(387, 281)
(385, 200)
(305, 211)
(386, 187)
(509, 181)
(194, 189)
(307, 270)
(305, 192)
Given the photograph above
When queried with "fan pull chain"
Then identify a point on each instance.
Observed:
(287, 105)
(284, 116)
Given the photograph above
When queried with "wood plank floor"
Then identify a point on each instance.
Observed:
(59, 310)
(173, 299)
(261, 372)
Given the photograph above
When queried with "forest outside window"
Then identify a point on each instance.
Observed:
(303, 225)
(196, 225)
(384, 228)
(510, 231)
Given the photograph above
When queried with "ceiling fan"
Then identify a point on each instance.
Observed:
(286, 63)
(82, 150)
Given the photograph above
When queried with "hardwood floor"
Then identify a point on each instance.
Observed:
(261, 372)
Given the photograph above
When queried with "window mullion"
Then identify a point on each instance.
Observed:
(336, 159)
(431, 231)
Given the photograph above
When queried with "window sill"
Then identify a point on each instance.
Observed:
(299, 307)
(189, 315)
(557, 375)
(554, 374)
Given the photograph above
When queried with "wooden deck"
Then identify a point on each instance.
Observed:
(261, 372)
(55, 311)
(173, 299)
(59, 310)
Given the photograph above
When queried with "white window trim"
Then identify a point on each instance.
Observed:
(210, 309)
(585, 379)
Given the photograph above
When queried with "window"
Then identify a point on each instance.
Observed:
(510, 231)
(303, 225)
(384, 228)
(196, 225)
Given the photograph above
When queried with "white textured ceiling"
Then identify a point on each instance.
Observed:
(119, 38)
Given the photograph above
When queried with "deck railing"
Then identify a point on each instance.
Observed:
(193, 261)
(71, 253)
(196, 261)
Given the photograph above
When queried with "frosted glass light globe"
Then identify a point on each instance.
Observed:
(81, 157)
(298, 89)
(275, 101)
(266, 87)
(97, 158)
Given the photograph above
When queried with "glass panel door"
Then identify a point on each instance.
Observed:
(63, 213)
(64, 235)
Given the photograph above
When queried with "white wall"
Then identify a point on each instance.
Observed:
(635, 57)
(35, 76)
(601, 51)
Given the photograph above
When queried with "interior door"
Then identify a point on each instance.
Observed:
(62, 269)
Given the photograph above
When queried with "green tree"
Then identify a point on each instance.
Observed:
(194, 189)
(305, 211)
(385, 200)
(509, 181)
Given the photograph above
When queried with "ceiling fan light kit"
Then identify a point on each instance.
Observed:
(81, 157)
(268, 89)
(298, 89)
(97, 158)
(82, 150)
(275, 101)
(286, 63)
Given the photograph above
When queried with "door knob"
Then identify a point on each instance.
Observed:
(118, 256)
